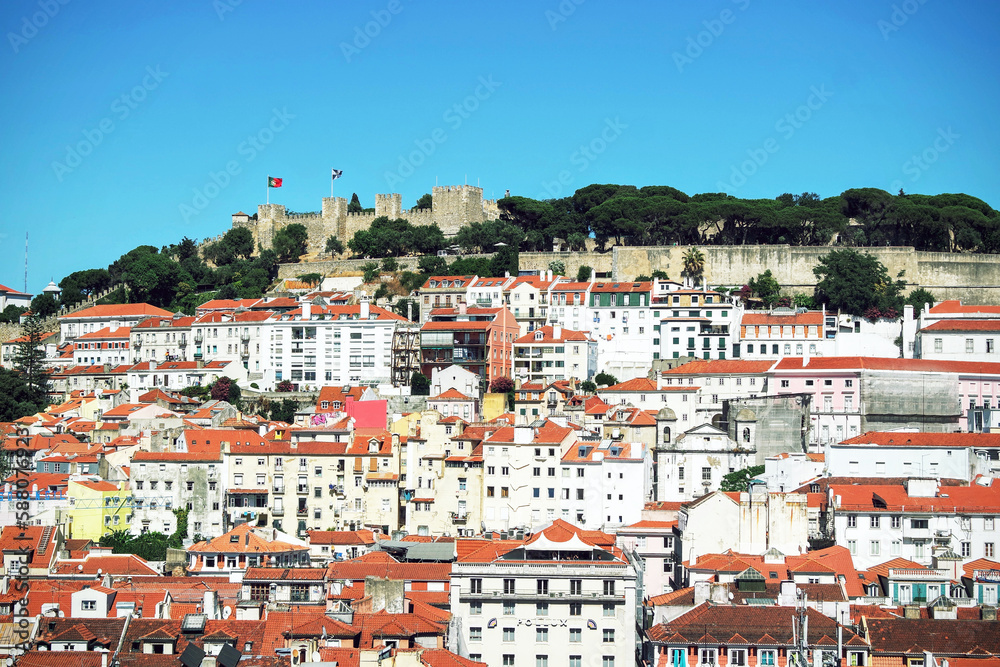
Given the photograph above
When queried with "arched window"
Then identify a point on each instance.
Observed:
(746, 434)
(666, 434)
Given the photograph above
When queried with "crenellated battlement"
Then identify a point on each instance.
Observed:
(452, 207)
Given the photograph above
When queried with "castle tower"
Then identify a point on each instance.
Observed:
(335, 217)
(390, 205)
(456, 205)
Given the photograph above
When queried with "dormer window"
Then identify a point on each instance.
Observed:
(539, 335)
(373, 446)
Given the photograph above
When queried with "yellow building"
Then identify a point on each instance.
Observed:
(96, 507)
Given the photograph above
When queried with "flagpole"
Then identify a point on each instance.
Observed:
(269, 189)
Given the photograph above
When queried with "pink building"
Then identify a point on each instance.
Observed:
(851, 395)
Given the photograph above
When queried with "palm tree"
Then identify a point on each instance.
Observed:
(694, 263)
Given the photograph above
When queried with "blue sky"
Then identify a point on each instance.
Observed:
(121, 118)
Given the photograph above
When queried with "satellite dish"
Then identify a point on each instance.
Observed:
(316, 656)
(731, 596)
(79, 568)
(227, 611)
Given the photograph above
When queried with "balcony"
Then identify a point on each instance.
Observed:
(302, 489)
(245, 351)
(302, 511)
(198, 338)
(183, 341)
(278, 511)
(459, 518)
(245, 337)
(278, 490)
(137, 343)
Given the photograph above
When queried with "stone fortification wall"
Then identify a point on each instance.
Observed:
(329, 267)
(973, 278)
(453, 207)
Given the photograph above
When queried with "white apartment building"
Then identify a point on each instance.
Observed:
(162, 482)
(488, 292)
(960, 340)
(557, 599)
(176, 375)
(163, 339)
(783, 332)
(234, 336)
(112, 316)
(552, 353)
(104, 346)
(604, 484)
(655, 395)
(522, 483)
(569, 306)
(340, 345)
(623, 326)
(917, 520)
(694, 323)
(914, 454)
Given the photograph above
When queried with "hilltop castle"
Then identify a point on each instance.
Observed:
(453, 207)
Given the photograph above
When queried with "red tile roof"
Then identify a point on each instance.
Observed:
(118, 310)
(964, 325)
(943, 637)
(974, 499)
(456, 326)
(923, 439)
(888, 364)
(113, 564)
(449, 395)
(955, 306)
(721, 367)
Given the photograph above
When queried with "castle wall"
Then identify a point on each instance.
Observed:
(330, 267)
(973, 278)
(452, 208)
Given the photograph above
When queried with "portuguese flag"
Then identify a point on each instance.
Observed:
(273, 182)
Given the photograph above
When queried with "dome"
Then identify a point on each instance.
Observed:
(52, 288)
(746, 415)
(666, 413)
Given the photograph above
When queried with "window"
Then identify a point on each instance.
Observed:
(608, 609)
(874, 548)
(852, 546)
(609, 587)
(765, 658)
(508, 586)
(541, 634)
(609, 636)
(475, 634)
(542, 586)
(969, 348)
(541, 661)
(508, 660)
(706, 474)
(852, 520)
(988, 550)
(608, 661)
(89, 605)
(575, 635)
(475, 585)
(966, 549)
(875, 520)
(918, 523)
(737, 657)
(896, 521)
(508, 608)
(988, 523)
(575, 660)
(575, 609)
(508, 634)
(541, 609)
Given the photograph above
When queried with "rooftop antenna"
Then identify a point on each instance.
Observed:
(26, 262)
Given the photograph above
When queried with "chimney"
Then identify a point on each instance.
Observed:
(104, 659)
(549, 275)
(988, 612)
(210, 605)
(702, 591)
(557, 331)
(911, 611)
(365, 312)
(152, 364)
(306, 311)
(659, 380)
(786, 593)
(720, 593)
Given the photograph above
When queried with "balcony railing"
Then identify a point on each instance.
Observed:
(302, 489)
(459, 517)
(278, 511)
